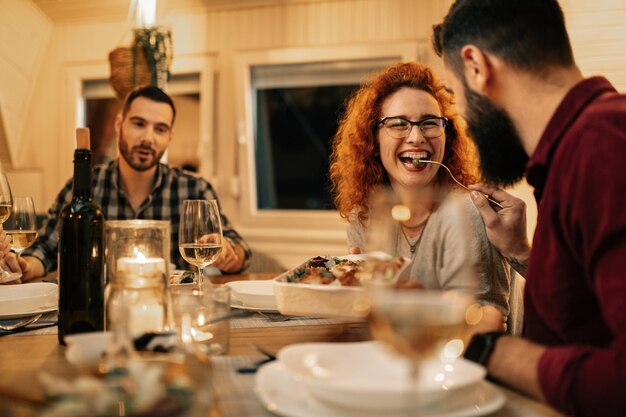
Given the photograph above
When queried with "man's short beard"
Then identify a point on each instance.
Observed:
(126, 153)
(502, 158)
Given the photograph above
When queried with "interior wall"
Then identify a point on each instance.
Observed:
(185, 132)
(22, 50)
(597, 32)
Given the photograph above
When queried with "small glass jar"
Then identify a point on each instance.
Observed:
(137, 259)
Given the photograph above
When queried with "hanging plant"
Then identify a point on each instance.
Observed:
(156, 43)
(146, 61)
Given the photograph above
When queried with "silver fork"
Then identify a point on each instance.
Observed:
(20, 323)
(491, 200)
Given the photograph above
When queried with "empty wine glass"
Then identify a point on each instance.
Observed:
(22, 224)
(383, 221)
(382, 235)
(200, 235)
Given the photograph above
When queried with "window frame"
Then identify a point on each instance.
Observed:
(325, 221)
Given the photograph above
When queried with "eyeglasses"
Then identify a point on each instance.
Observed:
(400, 128)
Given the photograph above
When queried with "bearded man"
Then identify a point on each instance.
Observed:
(137, 186)
(531, 112)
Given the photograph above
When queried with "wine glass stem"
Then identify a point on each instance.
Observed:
(414, 374)
(201, 278)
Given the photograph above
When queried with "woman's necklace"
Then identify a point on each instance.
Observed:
(413, 246)
(417, 226)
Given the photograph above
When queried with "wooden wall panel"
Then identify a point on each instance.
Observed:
(598, 33)
(317, 23)
(24, 35)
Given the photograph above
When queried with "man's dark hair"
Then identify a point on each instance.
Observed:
(151, 93)
(529, 35)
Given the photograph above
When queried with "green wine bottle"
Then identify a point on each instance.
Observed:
(81, 252)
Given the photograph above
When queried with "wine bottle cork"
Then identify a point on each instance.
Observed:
(82, 138)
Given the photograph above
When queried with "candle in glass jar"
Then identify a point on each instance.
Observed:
(141, 266)
(146, 310)
(145, 318)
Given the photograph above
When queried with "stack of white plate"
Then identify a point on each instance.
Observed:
(361, 379)
(28, 299)
(253, 295)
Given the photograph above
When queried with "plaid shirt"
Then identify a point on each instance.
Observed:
(170, 189)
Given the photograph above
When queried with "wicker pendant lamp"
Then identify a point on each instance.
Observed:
(148, 58)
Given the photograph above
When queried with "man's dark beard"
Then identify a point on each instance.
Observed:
(502, 157)
(126, 153)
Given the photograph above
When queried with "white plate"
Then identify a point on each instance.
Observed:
(28, 299)
(259, 294)
(366, 375)
(285, 395)
(237, 304)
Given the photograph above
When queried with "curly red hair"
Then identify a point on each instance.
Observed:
(355, 164)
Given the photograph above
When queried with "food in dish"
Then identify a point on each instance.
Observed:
(182, 277)
(341, 271)
(297, 298)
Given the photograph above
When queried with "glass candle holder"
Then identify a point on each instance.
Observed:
(137, 262)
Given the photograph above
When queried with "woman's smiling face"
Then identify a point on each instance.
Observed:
(397, 155)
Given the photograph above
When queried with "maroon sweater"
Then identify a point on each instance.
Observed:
(576, 285)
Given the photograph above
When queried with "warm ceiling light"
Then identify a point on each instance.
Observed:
(145, 13)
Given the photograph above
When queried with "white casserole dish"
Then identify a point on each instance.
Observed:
(298, 299)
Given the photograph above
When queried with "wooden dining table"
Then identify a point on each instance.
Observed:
(23, 356)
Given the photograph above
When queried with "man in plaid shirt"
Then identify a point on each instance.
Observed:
(137, 186)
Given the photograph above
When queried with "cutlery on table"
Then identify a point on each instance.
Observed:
(14, 325)
(38, 326)
(263, 351)
(270, 357)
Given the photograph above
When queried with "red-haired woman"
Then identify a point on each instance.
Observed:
(401, 115)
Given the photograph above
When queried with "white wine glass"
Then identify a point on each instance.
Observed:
(22, 224)
(200, 236)
(6, 206)
(419, 325)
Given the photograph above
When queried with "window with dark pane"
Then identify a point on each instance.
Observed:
(296, 112)
(295, 127)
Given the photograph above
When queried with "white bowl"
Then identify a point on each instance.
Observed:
(86, 349)
(28, 298)
(366, 376)
(258, 294)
